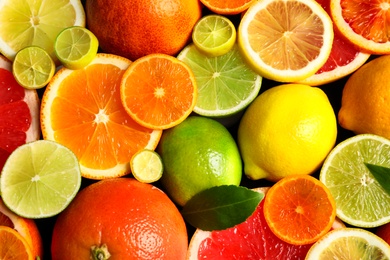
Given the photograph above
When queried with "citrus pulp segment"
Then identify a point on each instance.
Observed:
(75, 47)
(227, 7)
(13, 245)
(360, 199)
(33, 67)
(40, 179)
(226, 85)
(214, 35)
(365, 24)
(353, 243)
(158, 91)
(286, 41)
(146, 166)
(82, 110)
(36, 23)
(19, 112)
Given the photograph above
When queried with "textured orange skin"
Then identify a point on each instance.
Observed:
(135, 220)
(135, 28)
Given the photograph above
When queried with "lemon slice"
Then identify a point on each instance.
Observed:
(214, 35)
(75, 47)
(286, 41)
(146, 166)
(40, 179)
(33, 67)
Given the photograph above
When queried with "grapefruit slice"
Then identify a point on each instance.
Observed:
(19, 113)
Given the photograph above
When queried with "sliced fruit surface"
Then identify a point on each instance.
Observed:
(158, 91)
(39, 179)
(227, 7)
(349, 243)
(82, 110)
(36, 23)
(146, 166)
(13, 245)
(226, 85)
(19, 113)
(286, 41)
(299, 209)
(365, 24)
(352, 185)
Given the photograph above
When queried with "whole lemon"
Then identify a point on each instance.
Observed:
(288, 129)
(365, 103)
(197, 154)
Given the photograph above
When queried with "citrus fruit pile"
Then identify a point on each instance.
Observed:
(193, 129)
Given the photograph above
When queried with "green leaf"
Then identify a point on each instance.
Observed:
(381, 174)
(221, 207)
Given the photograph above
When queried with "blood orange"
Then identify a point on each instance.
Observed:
(19, 113)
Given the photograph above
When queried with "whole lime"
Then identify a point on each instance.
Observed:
(197, 154)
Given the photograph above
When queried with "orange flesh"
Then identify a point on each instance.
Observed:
(12, 245)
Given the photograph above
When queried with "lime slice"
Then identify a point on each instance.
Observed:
(355, 243)
(360, 199)
(146, 166)
(39, 179)
(33, 67)
(214, 35)
(226, 85)
(75, 47)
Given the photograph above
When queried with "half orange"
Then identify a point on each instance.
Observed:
(82, 110)
(13, 245)
(227, 7)
(158, 91)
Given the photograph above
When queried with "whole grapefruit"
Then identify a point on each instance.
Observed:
(120, 218)
(135, 28)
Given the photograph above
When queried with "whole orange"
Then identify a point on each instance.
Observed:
(120, 218)
(384, 232)
(135, 28)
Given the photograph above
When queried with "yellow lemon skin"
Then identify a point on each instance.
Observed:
(365, 103)
(288, 129)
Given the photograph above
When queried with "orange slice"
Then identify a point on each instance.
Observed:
(158, 91)
(286, 41)
(82, 110)
(364, 23)
(13, 245)
(227, 7)
(299, 209)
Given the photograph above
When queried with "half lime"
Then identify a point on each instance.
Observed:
(146, 166)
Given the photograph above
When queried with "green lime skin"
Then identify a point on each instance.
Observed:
(198, 154)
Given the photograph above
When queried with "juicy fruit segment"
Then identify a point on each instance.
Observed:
(146, 166)
(227, 7)
(286, 41)
(226, 85)
(19, 113)
(130, 219)
(352, 185)
(33, 67)
(75, 47)
(39, 179)
(352, 242)
(197, 154)
(288, 129)
(36, 23)
(158, 91)
(92, 121)
(13, 245)
(299, 209)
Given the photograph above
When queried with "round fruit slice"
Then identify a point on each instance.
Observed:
(226, 85)
(13, 245)
(36, 23)
(158, 91)
(39, 179)
(33, 67)
(352, 185)
(352, 242)
(299, 209)
(286, 41)
(76, 47)
(82, 110)
(146, 166)
(19, 113)
(214, 35)
(365, 24)
(227, 7)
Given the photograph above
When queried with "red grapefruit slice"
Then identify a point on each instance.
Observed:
(19, 113)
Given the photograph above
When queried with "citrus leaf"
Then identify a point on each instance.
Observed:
(381, 174)
(221, 207)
